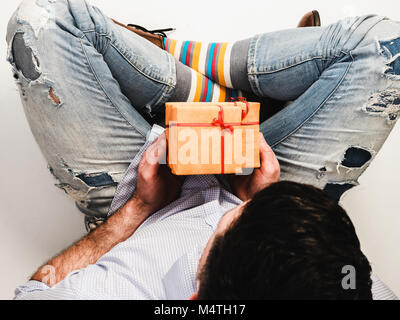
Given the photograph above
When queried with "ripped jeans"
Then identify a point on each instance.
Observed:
(85, 84)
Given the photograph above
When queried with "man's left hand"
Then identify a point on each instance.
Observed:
(245, 187)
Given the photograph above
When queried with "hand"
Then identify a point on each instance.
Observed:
(156, 185)
(245, 187)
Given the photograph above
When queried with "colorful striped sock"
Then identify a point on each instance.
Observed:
(192, 86)
(223, 62)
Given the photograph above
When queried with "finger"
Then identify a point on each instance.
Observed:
(157, 151)
(161, 145)
(153, 156)
(267, 155)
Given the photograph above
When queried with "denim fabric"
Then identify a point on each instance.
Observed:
(91, 126)
(86, 85)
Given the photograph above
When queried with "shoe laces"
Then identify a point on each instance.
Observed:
(160, 32)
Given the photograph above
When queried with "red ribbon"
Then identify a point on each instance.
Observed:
(223, 125)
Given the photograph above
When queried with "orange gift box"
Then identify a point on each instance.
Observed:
(212, 137)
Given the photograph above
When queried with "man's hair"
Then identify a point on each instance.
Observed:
(291, 242)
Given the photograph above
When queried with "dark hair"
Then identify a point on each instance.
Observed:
(291, 242)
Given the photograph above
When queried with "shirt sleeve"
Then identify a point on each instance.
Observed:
(95, 282)
(36, 290)
(380, 291)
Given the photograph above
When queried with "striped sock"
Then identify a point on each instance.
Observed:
(192, 86)
(223, 62)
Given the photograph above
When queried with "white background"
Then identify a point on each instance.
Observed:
(38, 220)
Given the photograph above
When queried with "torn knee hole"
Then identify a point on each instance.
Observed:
(391, 49)
(96, 179)
(356, 157)
(24, 58)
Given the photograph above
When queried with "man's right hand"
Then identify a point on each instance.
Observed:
(156, 185)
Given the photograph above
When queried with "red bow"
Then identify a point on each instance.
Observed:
(220, 121)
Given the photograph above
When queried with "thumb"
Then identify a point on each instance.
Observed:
(157, 151)
(267, 155)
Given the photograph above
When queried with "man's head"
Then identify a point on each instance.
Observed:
(291, 241)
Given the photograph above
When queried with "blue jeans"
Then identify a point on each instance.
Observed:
(87, 86)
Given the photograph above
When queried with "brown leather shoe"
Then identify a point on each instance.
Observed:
(310, 19)
(154, 36)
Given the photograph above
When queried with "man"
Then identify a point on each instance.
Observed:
(85, 83)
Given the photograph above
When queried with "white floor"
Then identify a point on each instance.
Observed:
(38, 220)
